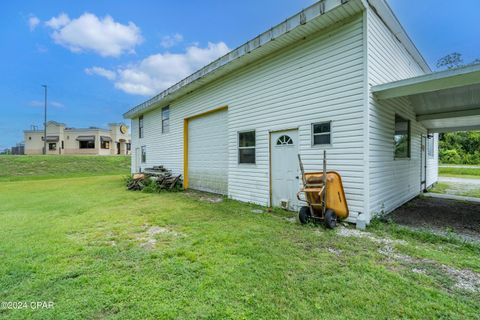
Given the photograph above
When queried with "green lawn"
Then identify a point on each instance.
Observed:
(15, 168)
(459, 172)
(456, 189)
(98, 251)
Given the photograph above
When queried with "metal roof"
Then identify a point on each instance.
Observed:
(443, 101)
(312, 19)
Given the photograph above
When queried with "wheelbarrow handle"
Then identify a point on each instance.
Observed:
(298, 195)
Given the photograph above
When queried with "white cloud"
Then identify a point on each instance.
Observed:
(58, 22)
(160, 71)
(41, 48)
(109, 74)
(57, 104)
(171, 40)
(33, 22)
(90, 33)
(37, 103)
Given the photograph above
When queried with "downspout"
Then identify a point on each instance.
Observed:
(366, 119)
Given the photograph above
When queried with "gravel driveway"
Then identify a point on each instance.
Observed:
(475, 182)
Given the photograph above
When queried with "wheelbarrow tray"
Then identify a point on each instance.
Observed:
(335, 194)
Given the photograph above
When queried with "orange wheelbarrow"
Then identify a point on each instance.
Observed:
(323, 192)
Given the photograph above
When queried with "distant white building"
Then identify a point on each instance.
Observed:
(94, 141)
(341, 76)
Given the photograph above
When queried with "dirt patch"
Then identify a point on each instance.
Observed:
(440, 215)
(205, 196)
(148, 238)
(291, 219)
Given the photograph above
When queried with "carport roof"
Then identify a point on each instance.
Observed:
(443, 101)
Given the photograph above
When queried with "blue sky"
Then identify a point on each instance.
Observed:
(99, 58)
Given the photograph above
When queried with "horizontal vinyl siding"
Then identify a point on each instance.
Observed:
(318, 79)
(392, 182)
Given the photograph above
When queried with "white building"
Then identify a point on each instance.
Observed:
(322, 79)
(79, 141)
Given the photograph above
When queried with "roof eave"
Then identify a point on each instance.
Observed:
(429, 82)
(313, 13)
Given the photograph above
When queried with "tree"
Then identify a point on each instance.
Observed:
(453, 61)
(458, 147)
(450, 61)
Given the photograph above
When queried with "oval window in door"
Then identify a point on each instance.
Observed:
(284, 140)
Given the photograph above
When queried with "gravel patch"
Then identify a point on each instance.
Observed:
(464, 279)
(346, 232)
(334, 251)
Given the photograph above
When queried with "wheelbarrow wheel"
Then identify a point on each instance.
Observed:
(330, 219)
(304, 215)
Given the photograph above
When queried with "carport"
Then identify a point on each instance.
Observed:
(443, 101)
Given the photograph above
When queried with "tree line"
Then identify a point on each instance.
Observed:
(458, 147)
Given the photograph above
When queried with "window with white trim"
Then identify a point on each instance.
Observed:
(140, 127)
(165, 119)
(402, 138)
(246, 147)
(144, 154)
(321, 133)
(431, 146)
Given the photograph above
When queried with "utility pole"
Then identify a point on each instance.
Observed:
(45, 123)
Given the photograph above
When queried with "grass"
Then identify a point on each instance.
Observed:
(440, 187)
(460, 189)
(15, 168)
(84, 244)
(456, 189)
(460, 172)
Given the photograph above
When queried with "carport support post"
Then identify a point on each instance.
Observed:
(185, 153)
(45, 123)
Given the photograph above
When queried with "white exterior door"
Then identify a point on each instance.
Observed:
(208, 153)
(285, 168)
